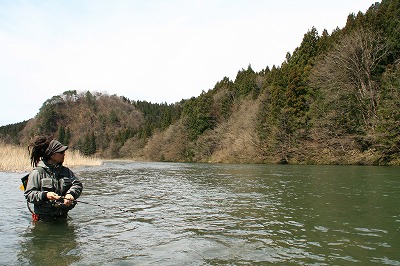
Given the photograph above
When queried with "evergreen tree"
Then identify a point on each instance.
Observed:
(198, 115)
(245, 81)
(388, 128)
(61, 134)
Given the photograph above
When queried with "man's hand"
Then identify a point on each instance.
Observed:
(52, 196)
(68, 199)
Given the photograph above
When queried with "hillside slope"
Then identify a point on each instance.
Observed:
(334, 100)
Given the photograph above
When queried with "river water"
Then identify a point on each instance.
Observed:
(212, 214)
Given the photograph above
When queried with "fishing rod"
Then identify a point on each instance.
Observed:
(98, 205)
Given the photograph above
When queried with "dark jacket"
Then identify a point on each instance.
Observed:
(51, 178)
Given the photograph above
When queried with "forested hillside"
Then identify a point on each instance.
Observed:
(334, 100)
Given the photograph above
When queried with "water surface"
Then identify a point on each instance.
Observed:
(213, 214)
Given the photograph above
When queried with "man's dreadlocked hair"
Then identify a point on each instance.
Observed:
(37, 149)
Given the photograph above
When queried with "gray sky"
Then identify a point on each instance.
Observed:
(153, 50)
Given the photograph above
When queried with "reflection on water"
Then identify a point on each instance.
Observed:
(207, 214)
(49, 243)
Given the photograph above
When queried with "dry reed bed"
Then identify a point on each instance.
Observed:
(16, 159)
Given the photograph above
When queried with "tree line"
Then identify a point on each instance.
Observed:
(335, 99)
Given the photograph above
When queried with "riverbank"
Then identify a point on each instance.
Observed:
(16, 159)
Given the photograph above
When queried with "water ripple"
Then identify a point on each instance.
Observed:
(201, 214)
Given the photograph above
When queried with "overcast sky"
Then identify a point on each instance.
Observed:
(153, 50)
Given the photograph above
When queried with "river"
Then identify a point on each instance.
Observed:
(136, 213)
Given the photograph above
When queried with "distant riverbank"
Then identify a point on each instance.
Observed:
(16, 159)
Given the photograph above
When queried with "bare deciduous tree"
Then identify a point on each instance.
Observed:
(346, 74)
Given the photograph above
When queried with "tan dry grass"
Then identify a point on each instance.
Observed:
(75, 158)
(16, 159)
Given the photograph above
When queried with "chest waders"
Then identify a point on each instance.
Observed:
(50, 183)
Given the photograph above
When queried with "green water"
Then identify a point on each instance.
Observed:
(211, 214)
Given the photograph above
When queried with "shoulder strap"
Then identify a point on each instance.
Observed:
(41, 170)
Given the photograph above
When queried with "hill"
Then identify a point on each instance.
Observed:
(334, 100)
